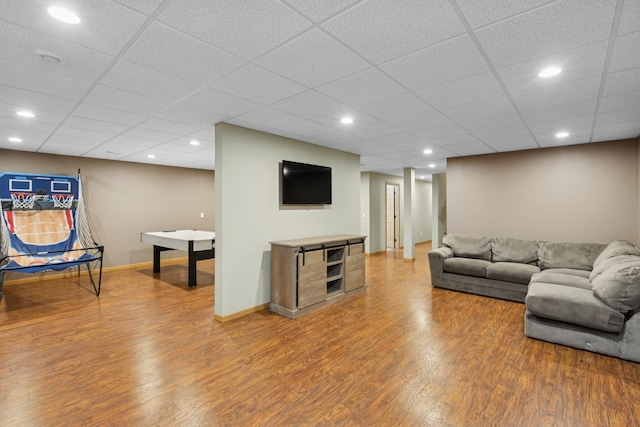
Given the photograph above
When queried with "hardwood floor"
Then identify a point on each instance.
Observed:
(147, 352)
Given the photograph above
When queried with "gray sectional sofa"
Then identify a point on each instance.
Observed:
(582, 295)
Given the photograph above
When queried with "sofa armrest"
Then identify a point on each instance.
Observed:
(436, 263)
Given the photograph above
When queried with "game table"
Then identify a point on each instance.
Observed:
(199, 244)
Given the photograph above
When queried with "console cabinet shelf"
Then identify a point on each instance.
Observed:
(311, 273)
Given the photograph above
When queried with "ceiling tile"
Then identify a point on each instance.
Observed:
(437, 133)
(104, 26)
(576, 64)
(470, 149)
(513, 131)
(373, 130)
(309, 104)
(623, 101)
(462, 91)
(398, 139)
(383, 30)
(513, 143)
(578, 136)
(135, 78)
(83, 133)
(320, 10)
(168, 126)
(481, 13)
(617, 131)
(554, 126)
(479, 109)
(20, 44)
(439, 64)
(561, 111)
(269, 118)
(620, 116)
(306, 128)
(630, 19)
(247, 28)
(625, 53)
(145, 6)
(151, 135)
(491, 123)
(357, 89)
(125, 101)
(259, 85)
(177, 54)
(190, 117)
(111, 115)
(330, 60)
(554, 28)
(561, 93)
(407, 104)
(218, 103)
(28, 99)
(622, 81)
(421, 121)
(36, 80)
(95, 125)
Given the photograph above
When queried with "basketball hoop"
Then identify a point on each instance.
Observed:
(22, 200)
(62, 201)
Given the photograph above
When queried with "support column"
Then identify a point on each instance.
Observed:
(409, 197)
(438, 209)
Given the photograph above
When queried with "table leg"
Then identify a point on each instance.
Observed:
(156, 258)
(192, 265)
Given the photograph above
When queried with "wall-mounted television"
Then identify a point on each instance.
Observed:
(304, 184)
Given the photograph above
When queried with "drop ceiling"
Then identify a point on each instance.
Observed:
(458, 77)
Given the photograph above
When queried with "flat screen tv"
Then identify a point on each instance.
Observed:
(304, 184)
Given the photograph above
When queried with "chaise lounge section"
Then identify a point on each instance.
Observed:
(582, 295)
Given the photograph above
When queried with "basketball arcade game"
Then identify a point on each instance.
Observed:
(44, 226)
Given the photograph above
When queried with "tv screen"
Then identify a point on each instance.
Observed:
(304, 184)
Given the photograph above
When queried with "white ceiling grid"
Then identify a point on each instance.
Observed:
(459, 77)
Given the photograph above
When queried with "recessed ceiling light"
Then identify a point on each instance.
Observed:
(428, 151)
(14, 139)
(194, 142)
(562, 134)
(151, 156)
(549, 72)
(64, 15)
(47, 56)
(25, 113)
(432, 165)
(346, 120)
(422, 177)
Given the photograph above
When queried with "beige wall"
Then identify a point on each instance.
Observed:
(580, 193)
(124, 199)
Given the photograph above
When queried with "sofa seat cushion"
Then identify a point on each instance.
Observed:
(569, 271)
(466, 266)
(572, 305)
(511, 272)
(549, 276)
(468, 246)
(619, 287)
(508, 249)
(579, 256)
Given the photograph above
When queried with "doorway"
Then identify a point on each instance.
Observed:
(393, 215)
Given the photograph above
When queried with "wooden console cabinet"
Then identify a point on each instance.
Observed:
(311, 273)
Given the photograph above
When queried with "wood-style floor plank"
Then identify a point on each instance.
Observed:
(148, 352)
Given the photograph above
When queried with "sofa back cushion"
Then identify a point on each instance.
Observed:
(616, 248)
(508, 249)
(568, 255)
(468, 246)
(619, 286)
(605, 264)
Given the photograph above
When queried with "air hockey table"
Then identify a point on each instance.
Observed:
(199, 244)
